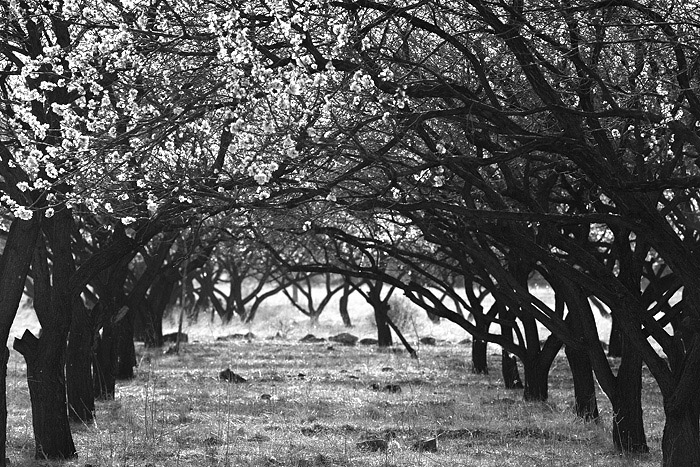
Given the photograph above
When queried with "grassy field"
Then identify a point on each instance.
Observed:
(309, 405)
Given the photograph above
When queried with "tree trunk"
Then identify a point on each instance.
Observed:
(479, 357)
(104, 362)
(584, 385)
(4, 357)
(47, 391)
(536, 379)
(681, 440)
(479, 349)
(125, 351)
(383, 329)
(628, 423)
(81, 396)
(343, 305)
(509, 369)
(158, 299)
(615, 341)
(14, 265)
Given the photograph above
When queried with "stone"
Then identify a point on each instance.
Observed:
(391, 388)
(231, 377)
(372, 445)
(369, 341)
(311, 339)
(237, 336)
(344, 338)
(426, 445)
(428, 340)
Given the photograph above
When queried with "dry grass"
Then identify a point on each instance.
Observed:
(177, 412)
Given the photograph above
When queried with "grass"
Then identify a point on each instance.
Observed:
(306, 405)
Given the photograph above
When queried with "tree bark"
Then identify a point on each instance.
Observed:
(79, 379)
(104, 362)
(536, 375)
(4, 358)
(479, 357)
(45, 356)
(381, 308)
(158, 298)
(681, 439)
(383, 329)
(125, 351)
(47, 391)
(585, 400)
(509, 370)
(628, 422)
(14, 265)
(343, 304)
(615, 340)
(479, 350)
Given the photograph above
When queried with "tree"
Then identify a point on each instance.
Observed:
(521, 104)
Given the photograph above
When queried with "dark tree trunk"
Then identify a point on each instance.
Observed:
(343, 305)
(479, 349)
(4, 357)
(14, 265)
(628, 422)
(153, 328)
(47, 391)
(584, 384)
(536, 379)
(383, 329)
(81, 396)
(125, 351)
(46, 356)
(103, 365)
(509, 369)
(158, 298)
(115, 357)
(681, 440)
(381, 310)
(615, 341)
(479, 357)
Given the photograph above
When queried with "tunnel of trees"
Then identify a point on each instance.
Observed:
(153, 148)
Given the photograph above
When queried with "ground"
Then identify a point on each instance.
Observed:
(309, 405)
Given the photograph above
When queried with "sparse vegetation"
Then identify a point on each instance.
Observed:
(308, 405)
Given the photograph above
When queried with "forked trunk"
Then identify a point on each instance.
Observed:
(14, 264)
(383, 329)
(47, 391)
